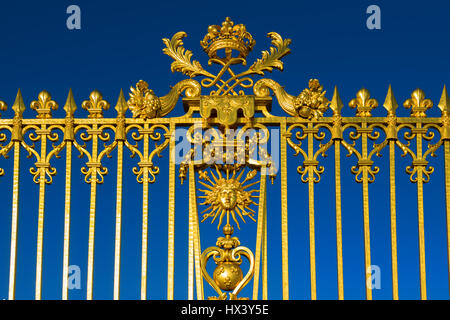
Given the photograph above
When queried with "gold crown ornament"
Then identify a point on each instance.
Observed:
(228, 37)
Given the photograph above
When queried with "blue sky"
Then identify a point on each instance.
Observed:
(120, 43)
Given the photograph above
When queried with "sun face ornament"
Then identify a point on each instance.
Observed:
(227, 195)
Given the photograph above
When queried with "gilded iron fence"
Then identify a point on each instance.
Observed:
(227, 133)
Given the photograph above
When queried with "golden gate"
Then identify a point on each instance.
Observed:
(228, 173)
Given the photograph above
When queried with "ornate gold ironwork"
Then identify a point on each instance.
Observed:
(226, 161)
(228, 275)
(227, 37)
(227, 195)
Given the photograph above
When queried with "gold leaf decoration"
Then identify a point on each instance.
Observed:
(175, 50)
(272, 60)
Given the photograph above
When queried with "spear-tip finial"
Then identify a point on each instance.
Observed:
(336, 103)
(70, 105)
(19, 105)
(121, 106)
(390, 103)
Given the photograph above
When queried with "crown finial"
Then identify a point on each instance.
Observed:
(228, 37)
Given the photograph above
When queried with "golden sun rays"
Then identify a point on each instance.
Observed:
(226, 195)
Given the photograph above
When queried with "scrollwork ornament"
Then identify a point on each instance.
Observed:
(146, 169)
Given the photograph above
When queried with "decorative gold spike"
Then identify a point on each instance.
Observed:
(418, 104)
(3, 107)
(70, 105)
(444, 102)
(336, 103)
(70, 108)
(363, 103)
(44, 105)
(444, 105)
(390, 103)
(121, 106)
(95, 105)
(19, 105)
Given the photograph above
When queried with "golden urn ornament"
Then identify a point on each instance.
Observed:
(227, 275)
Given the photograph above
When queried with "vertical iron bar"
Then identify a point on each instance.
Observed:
(312, 237)
(337, 171)
(145, 182)
(284, 212)
(171, 217)
(365, 187)
(92, 211)
(66, 249)
(118, 235)
(393, 219)
(259, 232)
(447, 197)
(40, 231)
(14, 221)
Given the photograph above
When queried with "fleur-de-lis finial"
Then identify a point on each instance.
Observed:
(95, 105)
(418, 104)
(3, 107)
(44, 105)
(70, 105)
(390, 103)
(363, 103)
